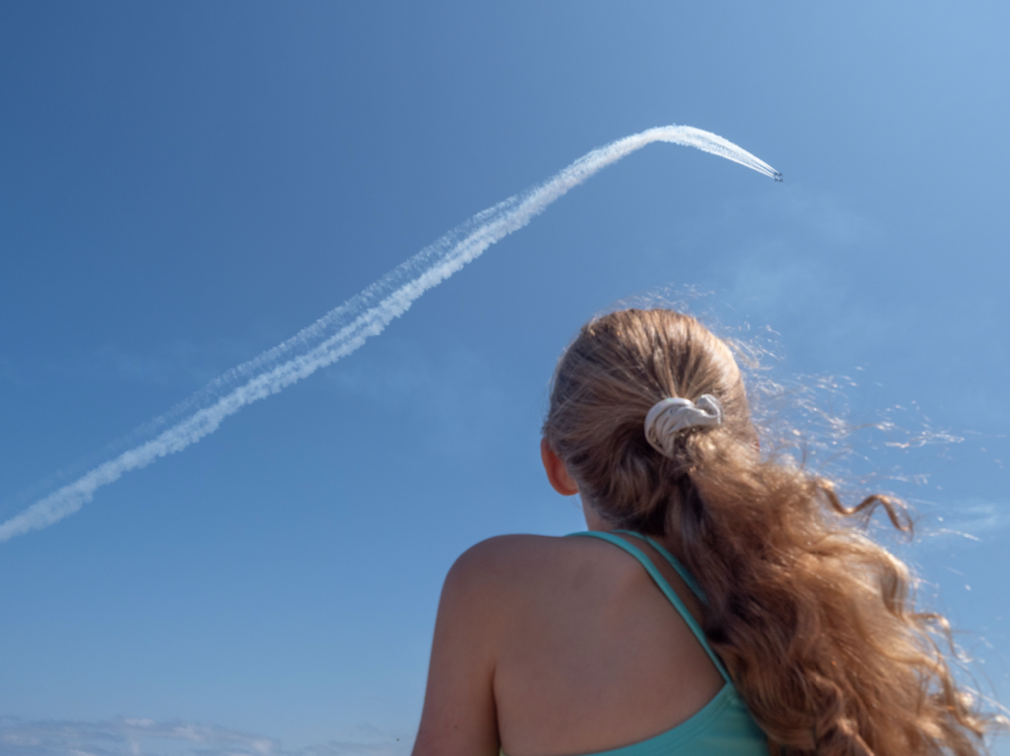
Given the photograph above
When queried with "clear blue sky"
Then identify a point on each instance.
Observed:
(185, 185)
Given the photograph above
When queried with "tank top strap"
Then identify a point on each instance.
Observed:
(664, 586)
(686, 576)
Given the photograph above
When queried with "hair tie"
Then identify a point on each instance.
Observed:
(670, 416)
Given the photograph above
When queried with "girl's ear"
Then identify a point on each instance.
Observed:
(556, 471)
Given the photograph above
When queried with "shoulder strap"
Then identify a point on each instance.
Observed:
(664, 586)
(686, 576)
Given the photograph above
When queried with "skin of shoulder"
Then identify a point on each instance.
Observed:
(502, 565)
(486, 585)
(541, 639)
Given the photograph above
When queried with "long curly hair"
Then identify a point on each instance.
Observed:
(814, 621)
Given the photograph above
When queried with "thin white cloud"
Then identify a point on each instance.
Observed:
(444, 396)
(172, 364)
(125, 736)
(128, 736)
(829, 220)
(341, 331)
(351, 748)
(975, 520)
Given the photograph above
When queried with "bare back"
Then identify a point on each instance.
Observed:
(556, 646)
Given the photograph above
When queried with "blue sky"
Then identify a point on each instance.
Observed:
(184, 186)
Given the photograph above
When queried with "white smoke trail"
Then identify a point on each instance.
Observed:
(345, 328)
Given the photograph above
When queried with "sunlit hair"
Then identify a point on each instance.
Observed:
(814, 621)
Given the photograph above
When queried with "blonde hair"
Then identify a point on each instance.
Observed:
(814, 621)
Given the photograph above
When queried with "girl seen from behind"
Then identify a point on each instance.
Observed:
(719, 603)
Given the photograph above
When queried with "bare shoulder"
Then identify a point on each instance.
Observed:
(487, 586)
(481, 592)
(507, 549)
(502, 561)
(520, 566)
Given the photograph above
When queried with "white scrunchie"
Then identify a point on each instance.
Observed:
(670, 416)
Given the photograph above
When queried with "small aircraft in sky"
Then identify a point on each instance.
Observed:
(778, 176)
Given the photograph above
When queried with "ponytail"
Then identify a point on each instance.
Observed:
(814, 621)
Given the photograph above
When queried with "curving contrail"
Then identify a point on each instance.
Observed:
(345, 328)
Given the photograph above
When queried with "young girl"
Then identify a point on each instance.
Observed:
(718, 604)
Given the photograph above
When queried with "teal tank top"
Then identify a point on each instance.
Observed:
(723, 727)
